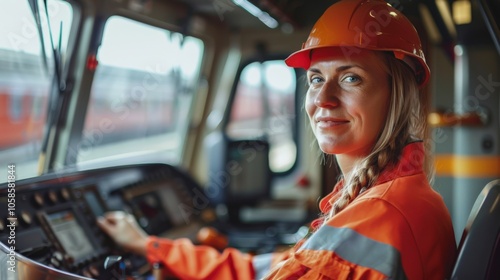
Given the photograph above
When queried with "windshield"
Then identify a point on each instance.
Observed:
(142, 92)
(25, 80)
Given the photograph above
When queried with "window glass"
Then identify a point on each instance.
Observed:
(142, 91)
(264, 107)
(25, 79)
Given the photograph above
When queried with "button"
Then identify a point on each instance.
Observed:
(93, 271)
(55, 262)
(58, 256)
(65, 194)
(52, 196)
(38, 200)
(86, 273)
(26, 218)
(69, 259)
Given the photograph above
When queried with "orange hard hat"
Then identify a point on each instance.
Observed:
(366, 24)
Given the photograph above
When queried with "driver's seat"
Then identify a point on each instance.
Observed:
(479, 248)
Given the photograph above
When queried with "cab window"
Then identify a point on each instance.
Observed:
(264, 107)
(142, 91)
(27, 71)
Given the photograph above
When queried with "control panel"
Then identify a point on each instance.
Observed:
(56, 226)
(55, 216)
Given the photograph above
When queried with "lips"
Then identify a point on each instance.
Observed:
(330, 122)
(330, 119)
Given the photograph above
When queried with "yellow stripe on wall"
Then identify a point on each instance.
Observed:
(467, 166)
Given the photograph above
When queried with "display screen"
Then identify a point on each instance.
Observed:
(94, 203)
(149, 205)
(70, 234)
(173, 204)
(252, 181)
(150, 213)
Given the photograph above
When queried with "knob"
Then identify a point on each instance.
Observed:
(211, 237)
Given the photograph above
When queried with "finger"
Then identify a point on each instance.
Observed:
(104, 225)
(114, 216)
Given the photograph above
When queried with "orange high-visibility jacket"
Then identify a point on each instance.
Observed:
(398, 229)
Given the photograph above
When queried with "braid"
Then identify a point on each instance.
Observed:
(365, 176)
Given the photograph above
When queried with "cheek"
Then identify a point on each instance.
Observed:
(378, 115)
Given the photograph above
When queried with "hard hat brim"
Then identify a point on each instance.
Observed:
(302, 59)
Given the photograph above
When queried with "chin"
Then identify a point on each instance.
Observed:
(330, 149)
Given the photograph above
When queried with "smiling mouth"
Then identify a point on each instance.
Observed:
(330, 123)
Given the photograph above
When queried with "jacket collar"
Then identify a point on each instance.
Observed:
(411, 162)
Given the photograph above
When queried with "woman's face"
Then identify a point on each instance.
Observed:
(347, 100)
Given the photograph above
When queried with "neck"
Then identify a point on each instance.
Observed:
(347, 163)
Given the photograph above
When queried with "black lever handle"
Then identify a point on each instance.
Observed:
(114, 269)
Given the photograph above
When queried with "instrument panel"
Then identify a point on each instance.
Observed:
(56, 215)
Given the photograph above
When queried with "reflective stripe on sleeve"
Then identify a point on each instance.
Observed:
(357, 249)
(262, 265)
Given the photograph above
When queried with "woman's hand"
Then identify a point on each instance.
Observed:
(124, 230)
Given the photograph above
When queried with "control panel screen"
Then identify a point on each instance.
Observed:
(174, 205)
(94, 203)
(70, 234)
(150, 213)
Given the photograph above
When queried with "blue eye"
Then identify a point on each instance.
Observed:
(351, 79)
(315, 80)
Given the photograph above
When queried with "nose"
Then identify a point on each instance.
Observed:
(327, 96)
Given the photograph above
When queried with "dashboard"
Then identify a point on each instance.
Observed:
(52, 224)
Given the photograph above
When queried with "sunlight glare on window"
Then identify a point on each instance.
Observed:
(279, 78)
(163, 51)
(19, 31)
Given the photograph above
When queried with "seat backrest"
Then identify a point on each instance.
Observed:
(479, 248)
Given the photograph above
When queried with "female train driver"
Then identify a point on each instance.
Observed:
(382, 220)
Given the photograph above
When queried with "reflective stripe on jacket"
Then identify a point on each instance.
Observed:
(398, 229)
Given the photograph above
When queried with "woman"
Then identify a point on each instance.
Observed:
(364, 66)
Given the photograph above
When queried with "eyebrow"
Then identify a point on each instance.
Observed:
(339, 69)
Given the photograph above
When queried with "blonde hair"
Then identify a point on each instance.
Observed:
(405, 123)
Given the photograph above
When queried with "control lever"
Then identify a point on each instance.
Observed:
(114, 269)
